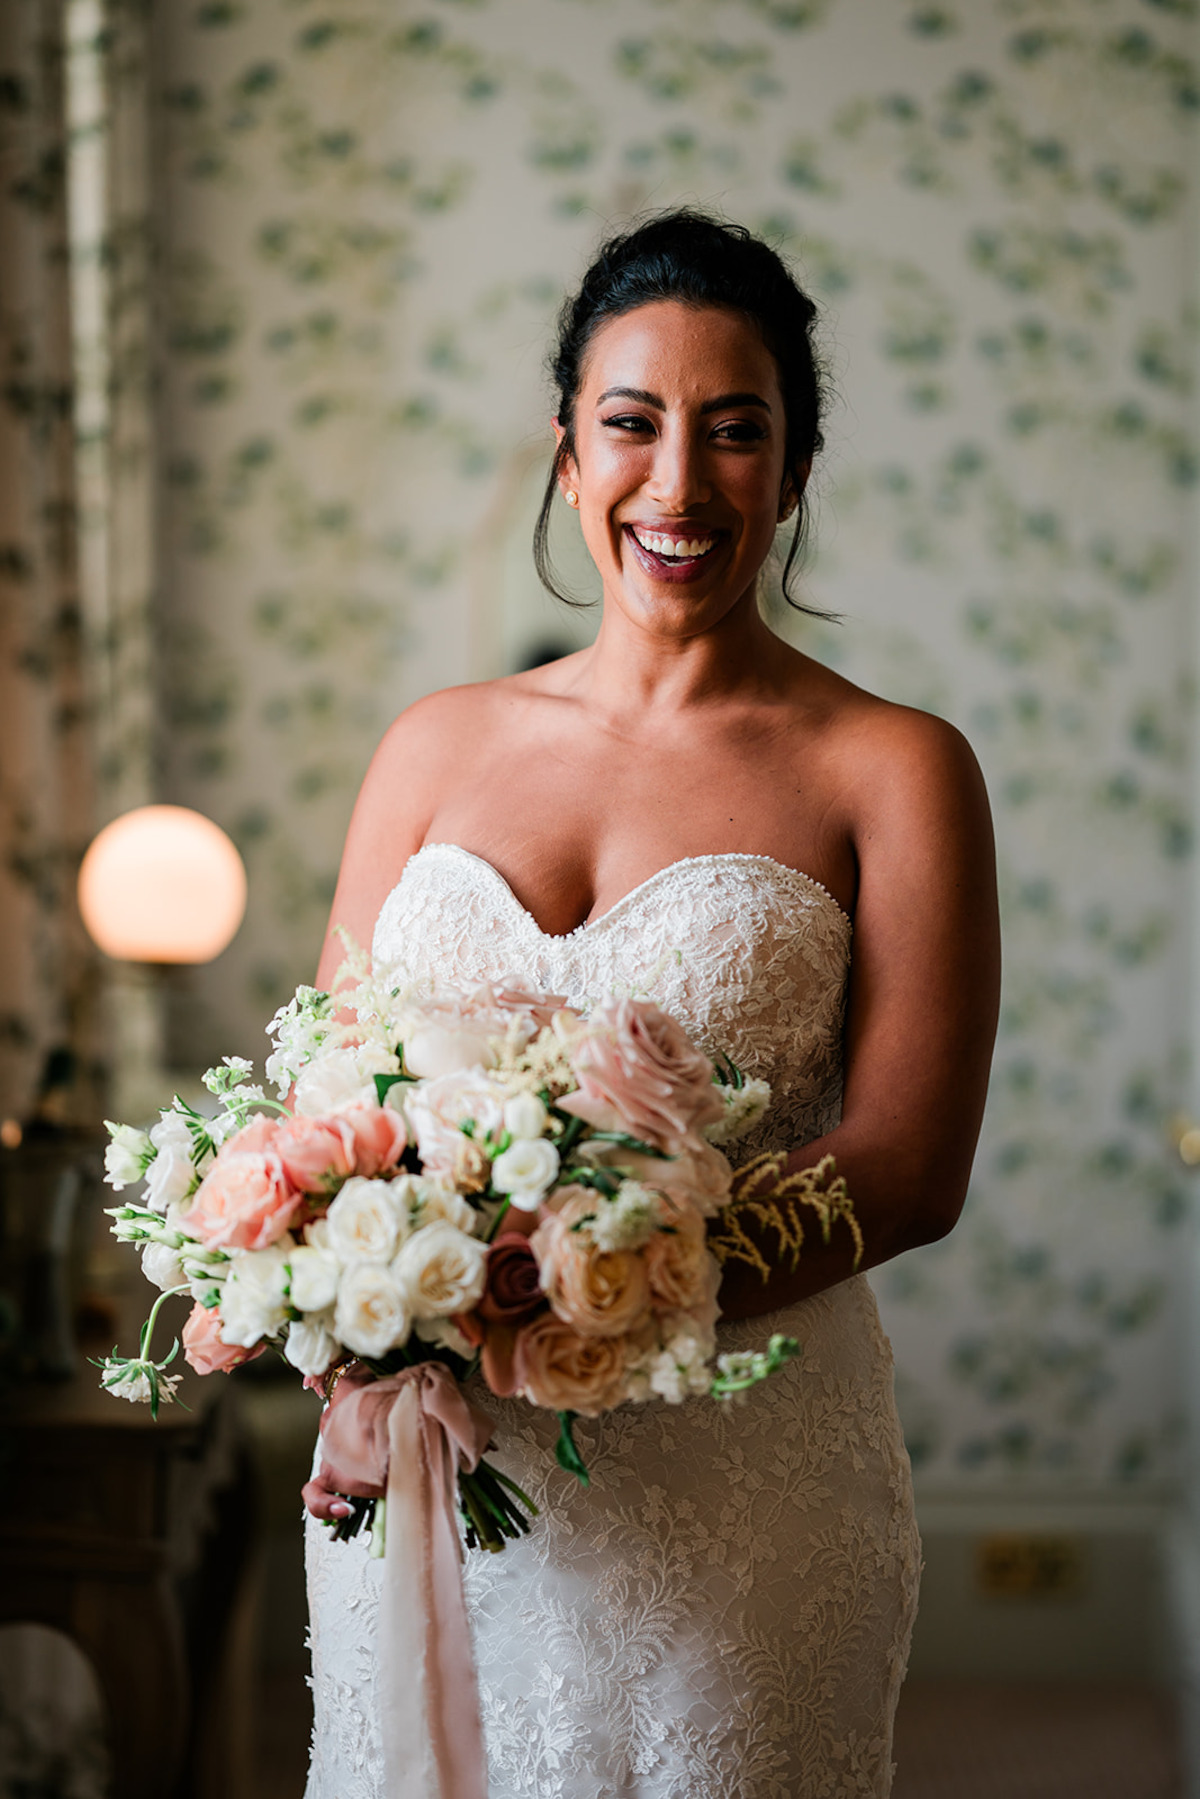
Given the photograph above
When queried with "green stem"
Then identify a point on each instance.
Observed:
(152, 1320)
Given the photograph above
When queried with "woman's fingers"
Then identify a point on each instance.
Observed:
(324, 1504)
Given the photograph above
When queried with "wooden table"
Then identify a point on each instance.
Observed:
(133, 1538)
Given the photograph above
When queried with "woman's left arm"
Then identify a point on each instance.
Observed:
(921, 1011)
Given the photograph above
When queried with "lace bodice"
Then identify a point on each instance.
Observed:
(726, 1613)
(751, 956)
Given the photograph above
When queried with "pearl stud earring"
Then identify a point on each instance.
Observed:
(571, 497)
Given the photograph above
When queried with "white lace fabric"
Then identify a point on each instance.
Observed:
(726, 1613)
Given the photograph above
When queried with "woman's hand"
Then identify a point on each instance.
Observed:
(321, 1497)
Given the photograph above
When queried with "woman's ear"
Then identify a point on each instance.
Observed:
(565, 471)
(793, 486)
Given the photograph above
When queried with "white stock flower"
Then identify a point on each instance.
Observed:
(254, 1298)
(744, 1106)
(338, 1078)
(675, 1371)
(526, 1172)
(626, 1221)
(315, 1275)
(310, 1346)
(366, 1221)
(126, 1157)
(370, 1317)
(162, 1267)
(525, 1116)
(170, 1176)
(440, 1271)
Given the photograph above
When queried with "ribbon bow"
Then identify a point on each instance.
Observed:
(407, 1436)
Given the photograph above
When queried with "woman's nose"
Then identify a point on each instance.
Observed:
(678, 479)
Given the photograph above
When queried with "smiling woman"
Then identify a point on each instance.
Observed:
(693, 810)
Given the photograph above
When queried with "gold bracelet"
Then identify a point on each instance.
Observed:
(774, 1201)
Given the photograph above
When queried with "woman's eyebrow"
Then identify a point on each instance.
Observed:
(649, 399)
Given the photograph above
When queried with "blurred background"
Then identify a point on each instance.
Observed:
(277, 279)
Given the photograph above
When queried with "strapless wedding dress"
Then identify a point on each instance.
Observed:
(726, 1613)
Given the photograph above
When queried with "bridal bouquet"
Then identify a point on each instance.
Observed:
(484, 1179)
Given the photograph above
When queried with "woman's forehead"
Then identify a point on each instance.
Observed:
(683, 348)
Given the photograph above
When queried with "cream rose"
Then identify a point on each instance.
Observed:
(310, 1346)
(555, 1367)
(366, 1221)
(440, 1271)
(370, 1317)
(254, 1298)
(340, 1078)
(315, 1275)
(601, 1293)
(438, 1109)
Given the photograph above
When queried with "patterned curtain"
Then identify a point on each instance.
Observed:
(76, 524)
(46, 792)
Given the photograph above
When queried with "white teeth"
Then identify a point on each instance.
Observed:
(674, 546)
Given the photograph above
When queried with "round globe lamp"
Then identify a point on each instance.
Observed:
(162, 884)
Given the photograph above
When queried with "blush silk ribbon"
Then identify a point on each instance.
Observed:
(407, 1436)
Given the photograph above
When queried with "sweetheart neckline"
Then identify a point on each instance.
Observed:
(591, 924)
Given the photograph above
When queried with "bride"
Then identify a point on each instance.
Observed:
(803, 875)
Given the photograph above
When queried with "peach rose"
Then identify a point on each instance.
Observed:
(639, 1071)
(682, 1271)
(697, 1175)
(602, 1293)
(380, 1138)
(555, 1367)
(202, 1345)
(245, 1200)
(317, 1154)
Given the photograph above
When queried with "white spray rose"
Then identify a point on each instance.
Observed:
(526, 1172)
(171, 1176)
(254, 1298)
(126, 1157)
(440, 1271)
(315, 1275)
(434, 1198)
(371, 1317)
(366, 1221)
(525, 1116)
(310, 1346)
(162, 1267)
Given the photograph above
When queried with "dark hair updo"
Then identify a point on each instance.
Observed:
(688, 256)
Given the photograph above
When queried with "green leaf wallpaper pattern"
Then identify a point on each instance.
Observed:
(369, 216)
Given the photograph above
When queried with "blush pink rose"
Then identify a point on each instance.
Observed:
(638, 1071)
(555, 1367)
(316, 1154)
(202, 1345)
(245, 1201)
(379, 1138)
(600, 1293)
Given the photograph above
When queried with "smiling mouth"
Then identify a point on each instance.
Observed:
(670, 550)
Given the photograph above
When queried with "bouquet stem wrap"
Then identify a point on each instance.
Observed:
(408, 1435)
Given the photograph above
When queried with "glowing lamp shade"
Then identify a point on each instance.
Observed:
(162, 884)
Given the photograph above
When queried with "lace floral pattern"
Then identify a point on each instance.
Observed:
(726, 1614)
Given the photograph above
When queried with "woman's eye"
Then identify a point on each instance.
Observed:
(627, 421)
(741, 431)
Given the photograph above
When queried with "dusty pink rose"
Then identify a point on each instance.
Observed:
(316, 1154)
(245, 1200)
(682, 1271)
(601, 1293)
(202, 1345)
(555, 1367)
(698, 1175)
(639, 1071)
(379, 1138)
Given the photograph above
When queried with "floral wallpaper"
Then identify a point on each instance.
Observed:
(368, 213)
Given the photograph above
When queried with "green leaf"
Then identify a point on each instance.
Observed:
(385, 1082)
(627, 1142)
(565, 1452)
